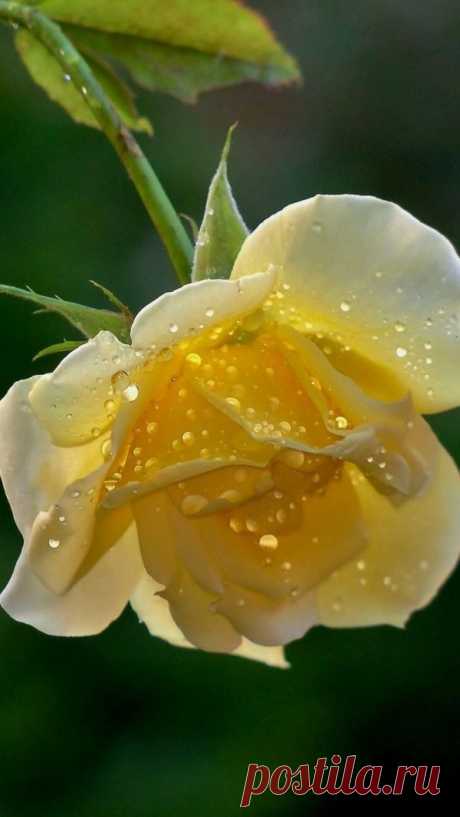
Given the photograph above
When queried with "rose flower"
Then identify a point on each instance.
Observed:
(256, 462)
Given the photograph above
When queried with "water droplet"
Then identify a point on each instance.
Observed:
(106, 449)
(236, 525)
(67, 77)
(193, 503)
(401, 351)
(317, 227)
(120, 381)
(131, 393)
(233, 402)
(188, 438)
(54, 543)
(345, 306)
(293, 459)
(268, 540)
(193, 359)
(341, 422)
(152, 427)
(399, 327)
(209, 313)
(173, 328)
(286, 566)
(252, 525)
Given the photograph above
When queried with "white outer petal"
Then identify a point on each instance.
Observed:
(387, 268)
(70, 402)
(33, 471)
(91, 604)
(186, 308)
(413, 549)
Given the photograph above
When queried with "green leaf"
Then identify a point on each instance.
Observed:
(88, 320)
(222, 230)
(180, 47)
(181, 72)
(59, 348)
(47, 73)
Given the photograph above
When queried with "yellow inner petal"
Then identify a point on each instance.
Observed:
(215, 399)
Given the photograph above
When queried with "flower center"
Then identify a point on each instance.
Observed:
(220, 422)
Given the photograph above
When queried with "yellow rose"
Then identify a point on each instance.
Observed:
(255, 463)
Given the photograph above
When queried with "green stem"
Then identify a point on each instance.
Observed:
(157, 203)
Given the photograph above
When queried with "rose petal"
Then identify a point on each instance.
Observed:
(272, 656)
(91, 604)
(266, 621)
(77, 402)
(327, 413)
(413, 549)
(34, 472)
(186, 311)
(368, 275)
(154, 611)
(192, 608)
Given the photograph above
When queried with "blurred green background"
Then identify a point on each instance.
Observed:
(123, 725)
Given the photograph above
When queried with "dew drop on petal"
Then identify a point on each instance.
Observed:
(235, 525)
(286, 566)
(188, 438)
(193, 503)
(106, 449)
(268, 540)
(233, 402)
(131, 393)
(193, 359)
